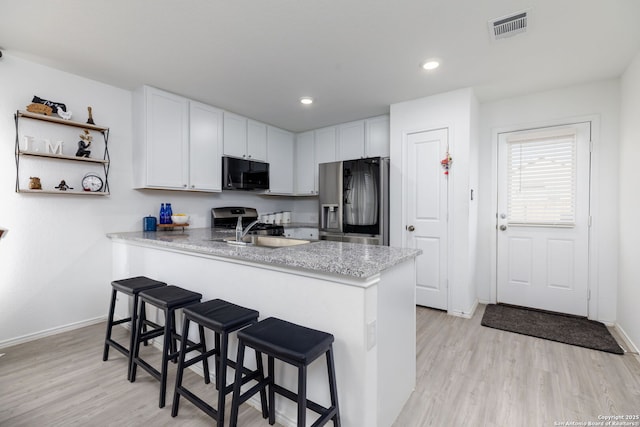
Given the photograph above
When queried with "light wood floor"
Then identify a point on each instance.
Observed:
(467, 375)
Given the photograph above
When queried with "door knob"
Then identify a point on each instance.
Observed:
(503, 227)
(411, 228)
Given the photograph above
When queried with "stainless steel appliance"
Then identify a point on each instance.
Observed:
(242, 174)
(227, 218)
(354, 201)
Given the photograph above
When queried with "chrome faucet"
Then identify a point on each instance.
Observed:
(248, 228)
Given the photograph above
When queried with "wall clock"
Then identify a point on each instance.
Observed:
(92, 182)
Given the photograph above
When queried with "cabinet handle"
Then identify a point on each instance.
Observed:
(184, 185)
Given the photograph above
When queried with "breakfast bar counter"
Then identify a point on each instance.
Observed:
(363, 295)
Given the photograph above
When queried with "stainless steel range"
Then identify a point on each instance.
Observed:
(227, 218)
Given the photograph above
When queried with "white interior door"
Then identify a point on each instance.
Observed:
(426, 208)
(543, 218)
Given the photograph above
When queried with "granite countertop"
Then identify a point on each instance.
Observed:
(353, 260)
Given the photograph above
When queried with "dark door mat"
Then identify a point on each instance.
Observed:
(564, 328)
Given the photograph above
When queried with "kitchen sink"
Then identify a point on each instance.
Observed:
(266, 241)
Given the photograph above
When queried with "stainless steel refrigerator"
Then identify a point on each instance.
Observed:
(354, 201)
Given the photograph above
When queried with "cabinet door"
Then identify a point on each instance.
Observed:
(351, 140)
(305, 164)
(167, 133)
(325, 145)
(256, 140)
(377, 137)
(205, 147)
(280, 156)
(235, 135)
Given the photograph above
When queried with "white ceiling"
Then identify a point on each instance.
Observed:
(355, 57)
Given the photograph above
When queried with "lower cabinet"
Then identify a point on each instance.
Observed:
(178, 142)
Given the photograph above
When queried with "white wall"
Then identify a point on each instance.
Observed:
(55, 263)
(629, 173)
(452, 110)
(598, 100)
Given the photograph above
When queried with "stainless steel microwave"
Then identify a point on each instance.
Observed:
(242, 174)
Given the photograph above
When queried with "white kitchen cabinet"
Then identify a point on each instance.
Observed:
(351, 140)
(325, 145)
(363, 138)
(165, 155)
(244, 138)
(205, 147)
(256, 140)
(305, 164)
(280, 148)
(376, 143)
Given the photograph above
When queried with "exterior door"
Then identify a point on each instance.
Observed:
(543, 218)
(426, 207)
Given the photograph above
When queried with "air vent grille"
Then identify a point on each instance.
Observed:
(508, 26)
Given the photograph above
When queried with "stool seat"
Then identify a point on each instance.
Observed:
(170, 296)
(287, 341)
(134, 285)
(220, 315)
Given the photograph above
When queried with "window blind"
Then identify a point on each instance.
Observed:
(541, 179)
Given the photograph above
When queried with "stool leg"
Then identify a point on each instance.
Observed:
(173, 333)
(136, 346)
(333, 390)
(302, 396)
(235, 402)
(112, 307)
(203, 345)
(166, 351)
(272, 406)
(221, 381)
(217, 358)
(134, 327)
(179, 373)
(263, 392)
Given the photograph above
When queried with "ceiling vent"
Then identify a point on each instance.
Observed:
(509, 26)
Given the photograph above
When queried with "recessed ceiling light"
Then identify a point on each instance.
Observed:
(306, 100)
(430, 64)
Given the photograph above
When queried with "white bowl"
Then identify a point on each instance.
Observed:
(179, 219)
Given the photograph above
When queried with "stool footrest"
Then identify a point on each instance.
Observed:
(253, 390)
(199, 357)
(150, 369)
(208, 409)
(117, 322)
(122, 349)
(315, 407)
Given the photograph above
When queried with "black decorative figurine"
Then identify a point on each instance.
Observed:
(63, 186)
(84, 144)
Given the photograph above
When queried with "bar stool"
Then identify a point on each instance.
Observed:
(168, 299)
(132, 287)
(295, 345)
(222, 317)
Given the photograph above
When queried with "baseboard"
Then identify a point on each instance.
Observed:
(53, 331)
(632, 348)
(468, 314)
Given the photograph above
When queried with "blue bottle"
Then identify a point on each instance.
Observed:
(169, 212)
(163, 214)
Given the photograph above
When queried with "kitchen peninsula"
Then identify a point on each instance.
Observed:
(364, 295)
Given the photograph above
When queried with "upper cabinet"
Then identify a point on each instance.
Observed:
(351, 140)
(179, 142)
(364, 138)
(325, 144)
(305, 164)
(280, 144)
(205, 147)
(244, 138)
(376, 131)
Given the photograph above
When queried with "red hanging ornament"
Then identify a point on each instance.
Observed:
(446, 163)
